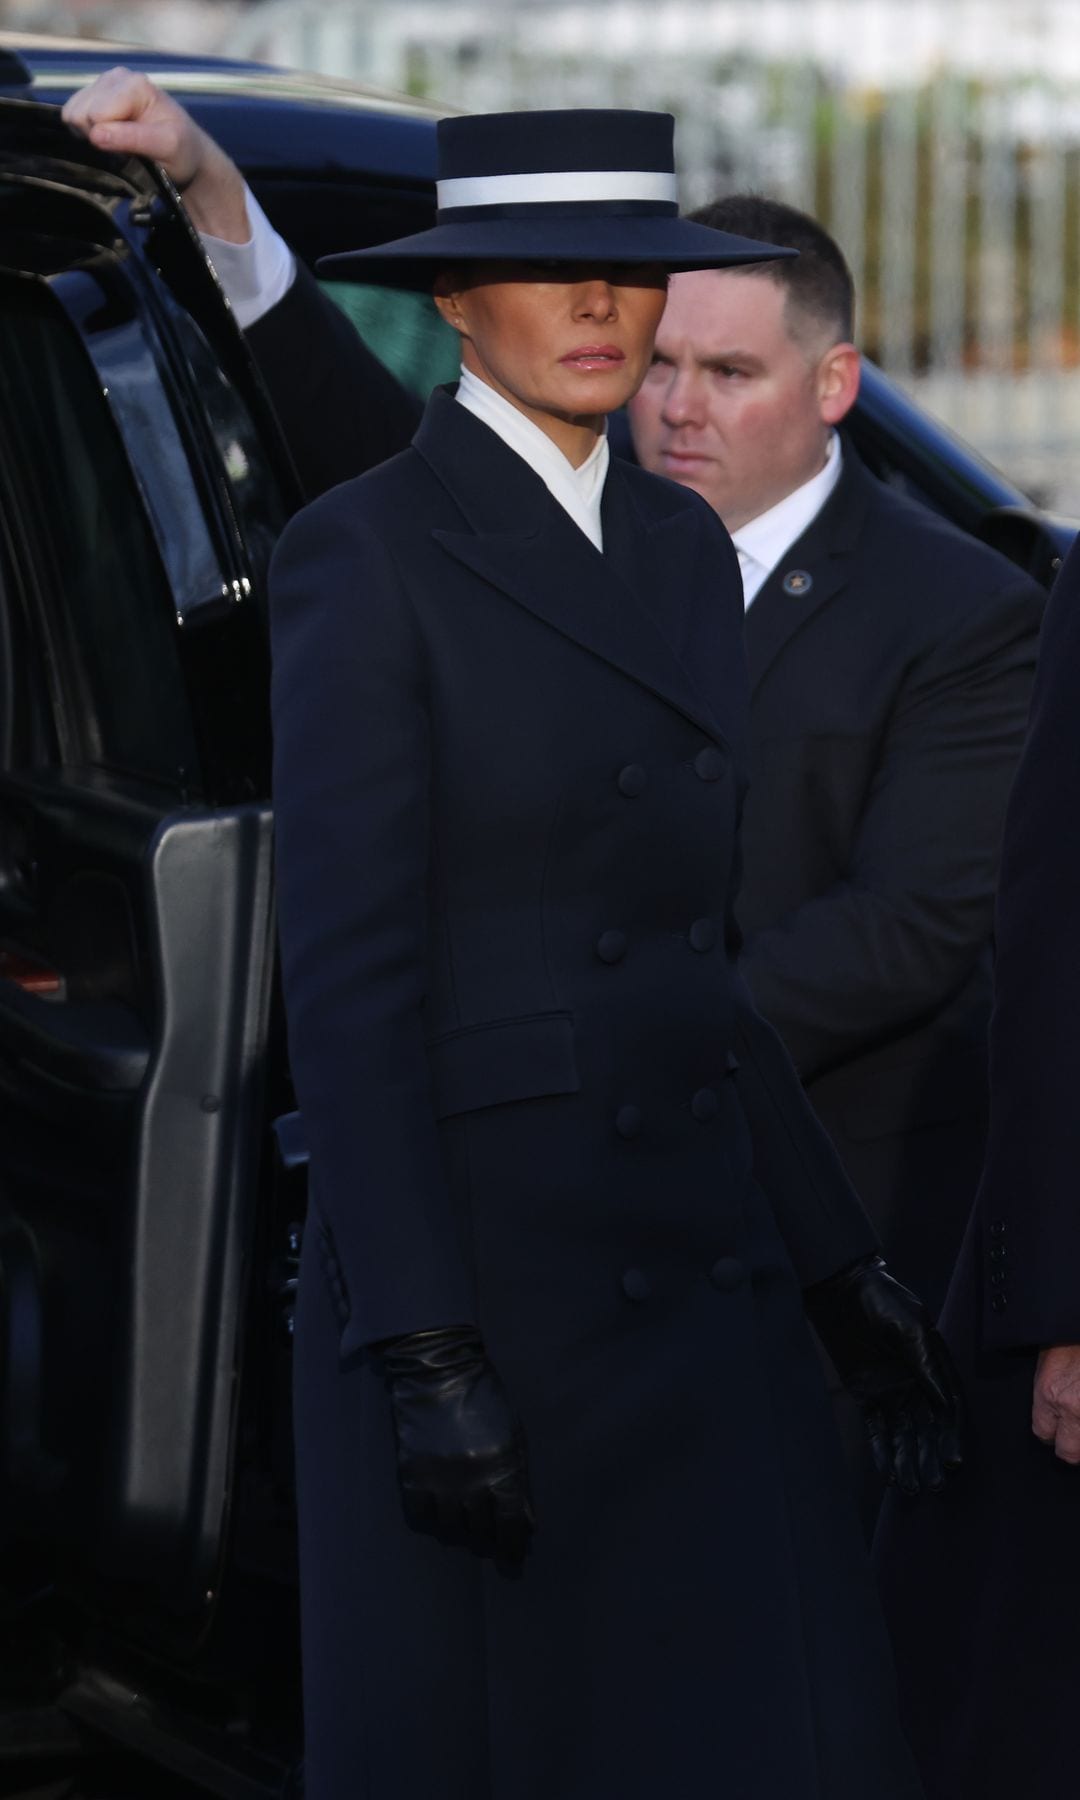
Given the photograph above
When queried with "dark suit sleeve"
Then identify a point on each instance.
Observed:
(886, 947)
(1028, 1210)
(817, 1211)
(351, 780)
(341, 411)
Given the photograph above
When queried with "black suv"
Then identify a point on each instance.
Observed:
(151, 1176)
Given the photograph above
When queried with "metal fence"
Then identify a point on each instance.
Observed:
(938, 139)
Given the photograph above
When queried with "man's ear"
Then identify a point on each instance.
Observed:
(838, 382)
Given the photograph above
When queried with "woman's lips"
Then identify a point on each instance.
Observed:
(594, 356)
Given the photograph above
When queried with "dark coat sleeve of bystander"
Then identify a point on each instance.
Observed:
(1028, 1212)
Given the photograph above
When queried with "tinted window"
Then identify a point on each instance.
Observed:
(87, 559)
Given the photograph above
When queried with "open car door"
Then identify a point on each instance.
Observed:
(142, 484)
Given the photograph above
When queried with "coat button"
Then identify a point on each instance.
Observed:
(702, 935)
(998, 1228)
(635, 1285)
(628, 1121)
(709, 764)
(998, 1302)
(705, 1105)
(997, 1278)
(631, 780)
(726, 1274)
(997, 1253)
(611, 946)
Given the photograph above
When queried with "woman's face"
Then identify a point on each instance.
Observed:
(566, 343)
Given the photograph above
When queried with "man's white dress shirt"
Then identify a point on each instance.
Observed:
(765, 541)
(255, 275)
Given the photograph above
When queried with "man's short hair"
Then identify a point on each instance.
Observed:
(817, 281)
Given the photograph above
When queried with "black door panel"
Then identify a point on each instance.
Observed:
(138, 503)
(125, 1274)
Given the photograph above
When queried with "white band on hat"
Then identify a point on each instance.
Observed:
(560, 184)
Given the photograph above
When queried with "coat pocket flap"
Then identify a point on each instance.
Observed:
(510, 1059)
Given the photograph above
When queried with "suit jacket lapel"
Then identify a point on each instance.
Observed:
(815, 569)
(522, 542)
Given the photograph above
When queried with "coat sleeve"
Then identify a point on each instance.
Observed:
(887, 947)
(817, 1211)
(340, 410)
(351, 805)
(1028, 1208)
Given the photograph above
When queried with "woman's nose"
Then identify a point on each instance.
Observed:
(597, 300)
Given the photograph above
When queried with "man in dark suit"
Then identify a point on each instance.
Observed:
(983, 1590)
(890, 658)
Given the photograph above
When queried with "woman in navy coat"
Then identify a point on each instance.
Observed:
(566, 1191)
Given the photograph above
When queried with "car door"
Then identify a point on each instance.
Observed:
(142, 485)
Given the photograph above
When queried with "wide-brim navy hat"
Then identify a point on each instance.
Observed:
(593, 185)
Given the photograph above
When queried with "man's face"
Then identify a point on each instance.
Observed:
(734, 405)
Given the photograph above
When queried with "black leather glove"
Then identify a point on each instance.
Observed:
(460, 1448)
(889, 1354)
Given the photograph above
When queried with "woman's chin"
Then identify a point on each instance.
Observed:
(584, 396)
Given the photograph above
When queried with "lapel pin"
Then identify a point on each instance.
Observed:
(797, 583)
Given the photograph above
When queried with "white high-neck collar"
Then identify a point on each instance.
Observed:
(763, 541)
(578, 491)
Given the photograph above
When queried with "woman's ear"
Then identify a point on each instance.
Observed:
(448, 293)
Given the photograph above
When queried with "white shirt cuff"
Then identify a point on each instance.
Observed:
(255, 275)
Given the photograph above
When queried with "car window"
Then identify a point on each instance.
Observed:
(404, 330)
(86, 559)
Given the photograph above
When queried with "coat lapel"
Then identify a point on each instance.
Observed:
(815, 569)
(521, 541)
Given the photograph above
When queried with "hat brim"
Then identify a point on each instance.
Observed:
(675, 244)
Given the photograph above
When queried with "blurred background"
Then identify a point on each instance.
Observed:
(938, 139)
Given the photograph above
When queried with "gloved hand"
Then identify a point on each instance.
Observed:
(460, 1448)
(889, 1355)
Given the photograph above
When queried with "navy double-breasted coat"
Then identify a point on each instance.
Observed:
(508, 782)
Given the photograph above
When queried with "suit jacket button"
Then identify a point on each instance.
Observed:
(998, 1228)
(998, 1302)
(997, 1253)
(702, 935)
(705, 1105)
(631, 780)
(997, 1278)
(628, 1121)
(635, 1285)
(709, 764)
(726, 1274)
(611, 946)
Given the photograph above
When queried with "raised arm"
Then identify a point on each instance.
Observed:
(341, 411)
